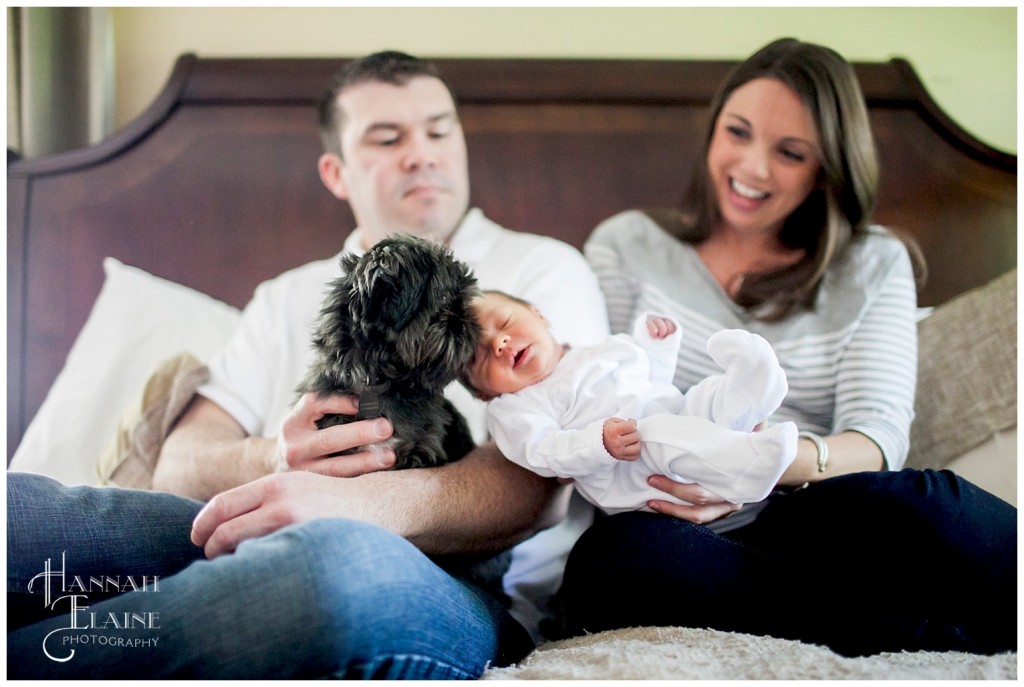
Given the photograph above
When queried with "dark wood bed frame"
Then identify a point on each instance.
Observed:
(215, 185)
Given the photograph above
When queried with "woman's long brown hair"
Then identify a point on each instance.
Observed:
(839, 207)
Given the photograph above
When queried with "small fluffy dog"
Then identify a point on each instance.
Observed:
(395, 330)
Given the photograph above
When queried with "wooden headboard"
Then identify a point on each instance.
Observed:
(215, 185)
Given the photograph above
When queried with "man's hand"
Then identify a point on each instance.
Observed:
(266, 505)
(303, 446)
(621, 438)
(660, 327)
(481, 503)
(209, 452)
(705, 506)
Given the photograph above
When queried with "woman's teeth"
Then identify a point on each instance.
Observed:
(747, 191)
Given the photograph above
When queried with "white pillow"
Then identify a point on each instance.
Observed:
(138, 320)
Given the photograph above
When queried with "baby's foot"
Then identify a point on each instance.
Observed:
(774, 449)
(754, 384)
(741, 467)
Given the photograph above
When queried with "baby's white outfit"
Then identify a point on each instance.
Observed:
(555, 427)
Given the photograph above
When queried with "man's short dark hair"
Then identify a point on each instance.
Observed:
(389, 66)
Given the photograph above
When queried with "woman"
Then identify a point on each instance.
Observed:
(775, 237)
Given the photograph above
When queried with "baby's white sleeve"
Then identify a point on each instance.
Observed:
(532, 438)
(663, 353)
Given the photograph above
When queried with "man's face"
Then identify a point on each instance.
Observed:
(404, 166)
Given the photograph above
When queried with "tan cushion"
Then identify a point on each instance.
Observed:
(992, 465)
(129, 461)
(967, 374)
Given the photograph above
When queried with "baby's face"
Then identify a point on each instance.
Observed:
(516, 348)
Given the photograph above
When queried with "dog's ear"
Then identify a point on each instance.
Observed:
(348, 263)
(444, 340)
(407, 302)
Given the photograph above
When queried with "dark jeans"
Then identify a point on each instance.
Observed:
(863, 563)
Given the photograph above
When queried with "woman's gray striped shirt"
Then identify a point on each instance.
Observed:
(851, 361)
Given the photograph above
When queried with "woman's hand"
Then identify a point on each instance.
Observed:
(301, 445)
(706, 507)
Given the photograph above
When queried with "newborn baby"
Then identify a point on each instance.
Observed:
(608, 416)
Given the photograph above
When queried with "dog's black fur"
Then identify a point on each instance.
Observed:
(395, 330)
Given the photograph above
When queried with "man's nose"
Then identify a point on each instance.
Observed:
(421, 151)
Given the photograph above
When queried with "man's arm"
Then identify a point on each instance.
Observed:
(479, 504)
(208, 452)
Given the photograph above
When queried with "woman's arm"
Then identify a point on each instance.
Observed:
(876, 380)
(621, 290)
(847, 452)
(875, 384)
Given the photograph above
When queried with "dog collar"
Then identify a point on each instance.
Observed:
(369, 401)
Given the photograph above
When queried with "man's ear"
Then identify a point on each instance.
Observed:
(329, 165)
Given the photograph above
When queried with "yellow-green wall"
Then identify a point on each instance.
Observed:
(967, 57)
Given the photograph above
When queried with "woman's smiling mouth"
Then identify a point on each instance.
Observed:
(745, 191)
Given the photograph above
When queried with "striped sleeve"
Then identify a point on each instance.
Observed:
(877, 373)
(621, 289)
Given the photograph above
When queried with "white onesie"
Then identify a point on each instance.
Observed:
(554, 427)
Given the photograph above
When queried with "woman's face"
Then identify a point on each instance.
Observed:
(764, 157)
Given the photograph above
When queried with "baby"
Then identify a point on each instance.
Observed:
(608, 416)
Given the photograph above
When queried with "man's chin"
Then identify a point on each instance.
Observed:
(435, 226)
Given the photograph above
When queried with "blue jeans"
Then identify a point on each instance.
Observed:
(326, 598)
(863, 563)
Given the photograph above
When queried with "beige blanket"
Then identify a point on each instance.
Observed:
(676, 653)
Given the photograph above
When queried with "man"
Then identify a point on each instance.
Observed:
(335, 566)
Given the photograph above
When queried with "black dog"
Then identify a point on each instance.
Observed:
(395, 330)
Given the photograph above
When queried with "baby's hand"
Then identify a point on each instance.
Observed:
(621, 439)
(660, 327)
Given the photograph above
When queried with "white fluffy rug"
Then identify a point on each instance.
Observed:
(676, 653)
